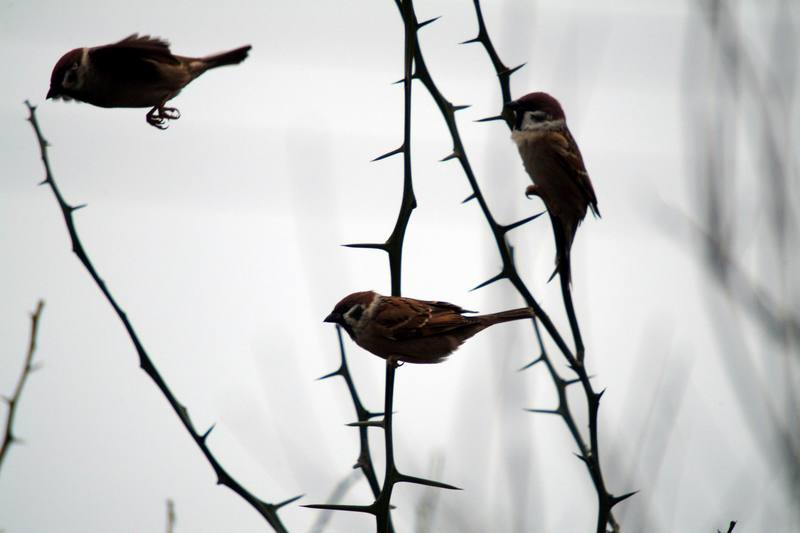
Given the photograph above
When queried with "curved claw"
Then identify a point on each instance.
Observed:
(159, 116)
(531, 190)
(157, 122)
(170, 113)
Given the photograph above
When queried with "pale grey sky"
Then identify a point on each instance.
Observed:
(221, 239)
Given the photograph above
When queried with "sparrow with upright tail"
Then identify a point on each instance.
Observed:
(553, 161)
(407, 330)
(138, 71)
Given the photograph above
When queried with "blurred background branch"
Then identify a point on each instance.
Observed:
(27, 368)
(740, 136)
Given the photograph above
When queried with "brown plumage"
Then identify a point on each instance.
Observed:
(553, 161)
(409, 330)
(138, 71)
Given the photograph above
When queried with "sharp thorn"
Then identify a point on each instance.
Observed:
(544, 411)
(336, 507)
(402, 478)
(468, 198)
(491, 119)
(372, 246)
(79, 206)
(582, 458)
(205, 435)
(617, 499)
(510, 71)
(460, 107)
(390, 154)
(532, 363)
(426, 22)
(519, 223)
(489, 281)
(337, 372)
(451, 155)
(366, 424)
(287, 502)
(470, 41)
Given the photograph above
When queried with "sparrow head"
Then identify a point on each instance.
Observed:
(67, 75)
(351, 309)
(536, 111)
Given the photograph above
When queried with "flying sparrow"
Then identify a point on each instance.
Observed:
(138, 71)
(409, 330)
(553, 161)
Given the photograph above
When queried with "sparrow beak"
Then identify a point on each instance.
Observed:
(333, 318)
(51, 94)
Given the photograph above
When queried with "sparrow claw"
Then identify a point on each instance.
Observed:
(170, 113)
(531, 190)
(393, 361)
(158, 122)
(158, 116)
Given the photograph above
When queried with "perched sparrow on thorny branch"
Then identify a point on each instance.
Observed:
(553, 161)
(408, 330)
(135, 72)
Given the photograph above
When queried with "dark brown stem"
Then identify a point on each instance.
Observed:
(13, 401)
(267, 510)
(591, 454)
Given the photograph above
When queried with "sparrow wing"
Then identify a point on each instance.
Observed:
(133, 58)
(568, 157)
(407, 318)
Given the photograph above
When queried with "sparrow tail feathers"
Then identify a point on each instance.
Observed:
(231, 57)
(513, 314)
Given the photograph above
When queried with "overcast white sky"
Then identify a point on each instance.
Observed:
(221, 239)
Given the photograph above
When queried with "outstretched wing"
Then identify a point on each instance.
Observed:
(134, 57)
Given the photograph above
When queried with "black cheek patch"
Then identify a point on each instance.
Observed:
(356, 313)
(518, 116)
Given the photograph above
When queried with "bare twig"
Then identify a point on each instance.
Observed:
(170, 516)
(364, 461)
(267, 510)
(13, 401)
(730, 527)
(591, 454)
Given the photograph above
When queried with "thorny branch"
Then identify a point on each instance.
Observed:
(590, 454)
(267, 510)
(381, 507)
(13, 401)
(364, 461)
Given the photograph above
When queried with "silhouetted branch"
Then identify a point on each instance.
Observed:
(13, 401)
(364, 461)
(730, 527)
(268, 510)
(381, 507)
(591, 454)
